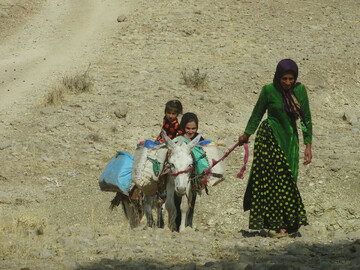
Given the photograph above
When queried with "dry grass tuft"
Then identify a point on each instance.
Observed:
(13, 232)
(114, 129)
(80, 83)
(95, 137)
(30, 223)
(55, 97)
(195, 79)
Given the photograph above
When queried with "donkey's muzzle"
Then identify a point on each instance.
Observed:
(180, 191)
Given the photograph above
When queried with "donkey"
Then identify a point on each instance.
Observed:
(178, 180)
(177, 186)
(138, 204)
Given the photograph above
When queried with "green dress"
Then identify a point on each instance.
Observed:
(272, 195)
(282, 125)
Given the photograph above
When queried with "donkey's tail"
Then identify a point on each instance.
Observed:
(133, 208)
(119, 197)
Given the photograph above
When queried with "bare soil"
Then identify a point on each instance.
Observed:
(53, 214)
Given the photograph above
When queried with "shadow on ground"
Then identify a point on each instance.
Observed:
(298, 255)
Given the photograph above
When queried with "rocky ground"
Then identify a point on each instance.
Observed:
(53, 214)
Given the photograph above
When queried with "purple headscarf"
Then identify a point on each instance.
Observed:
(285, 65)
(290, 102)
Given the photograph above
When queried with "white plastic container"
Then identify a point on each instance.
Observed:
(218, 171)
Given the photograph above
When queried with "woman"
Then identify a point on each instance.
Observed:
(272, 195)
(189, 124)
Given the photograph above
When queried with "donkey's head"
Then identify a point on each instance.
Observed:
(181, 162)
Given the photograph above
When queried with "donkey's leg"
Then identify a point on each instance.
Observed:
(190, 213)
(130, 213)
(184, 207)
(170, 206)
(148, 203)
(177, 201)
(160, 207)
(160, 216)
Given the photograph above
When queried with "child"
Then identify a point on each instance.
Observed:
(170, 123)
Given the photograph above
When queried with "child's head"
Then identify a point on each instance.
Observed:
(172, 109)
(189, 124)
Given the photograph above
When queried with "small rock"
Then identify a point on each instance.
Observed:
(122, 111)
(4, 198)
(350, 117)
(209, 264)
(46, 254)
(92, 127)
(3, 14)
(4, 146)
(353, 235)
(231, 119)
(73, 173)
(48, 111)
(138, 249)
(121, 18)
(229, 104)
(128, 119)
(71, 264)
(93, 119)
(336, 168)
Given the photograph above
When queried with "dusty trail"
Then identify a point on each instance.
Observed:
(52, 212)
(64, 36)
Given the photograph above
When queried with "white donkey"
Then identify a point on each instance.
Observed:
(178, 181)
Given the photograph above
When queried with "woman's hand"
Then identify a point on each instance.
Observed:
(244, 138)
(308, 154)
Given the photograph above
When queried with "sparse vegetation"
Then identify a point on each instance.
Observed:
(55, 96)
(114, 129)
(195, 79)
(95, 137)
(26, 222)
(80, 83)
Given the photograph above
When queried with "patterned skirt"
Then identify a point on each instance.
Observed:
(271, 195)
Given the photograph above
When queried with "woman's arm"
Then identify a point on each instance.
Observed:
(257, 113)
(307, 154)
(304, 103)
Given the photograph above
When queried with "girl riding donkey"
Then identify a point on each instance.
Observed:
(142, 198)
(190, 124)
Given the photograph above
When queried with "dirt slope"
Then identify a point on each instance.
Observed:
(53, 215)
(60, 38)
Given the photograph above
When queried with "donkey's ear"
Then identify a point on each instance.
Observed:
(194, 142)
(168, 142)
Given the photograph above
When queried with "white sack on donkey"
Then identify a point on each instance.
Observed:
(147, 168)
